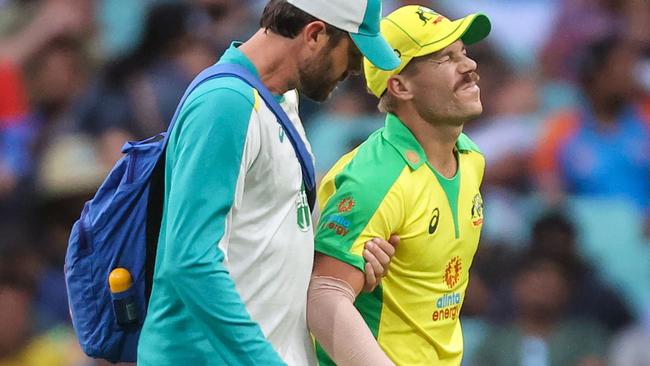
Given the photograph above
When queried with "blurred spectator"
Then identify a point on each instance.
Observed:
(541, 332)
(20, 344)
(57, 74)
(505, 135)
(612, 240)
(597, 19)
(32, 48)
(474, 317)
(48, 19)
(555, 237)
(120, 26)
(347, 120)
(231, 20)
(507, 138)
(136, 96)
(14, 135)
(600, 148)
(630, 348)
(515, 39)
(69, 174)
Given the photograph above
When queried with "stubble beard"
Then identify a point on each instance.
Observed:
(315, 80)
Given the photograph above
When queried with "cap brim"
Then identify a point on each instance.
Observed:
(479, 27)
(377, 51)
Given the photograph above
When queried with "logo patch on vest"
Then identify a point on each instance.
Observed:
(302, 211)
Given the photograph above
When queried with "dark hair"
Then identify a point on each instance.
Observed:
(595, 56)
(553, 221)
(17, 253)
(529, 262)
(165, 24)
(284, 19)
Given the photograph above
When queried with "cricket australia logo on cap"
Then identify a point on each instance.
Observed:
(427, 15)
(303, 213)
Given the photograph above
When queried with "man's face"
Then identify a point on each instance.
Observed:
(321, 73)
(541, 292)
(444, 85)
(14, 318)
(616, 81)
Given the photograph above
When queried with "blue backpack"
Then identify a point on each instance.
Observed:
(119, 228)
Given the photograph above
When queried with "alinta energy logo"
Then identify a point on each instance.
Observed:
(452, 271)
(346, 204)
(337, 222)
(447, 307)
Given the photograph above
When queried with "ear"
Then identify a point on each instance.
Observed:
(314, 35)
(399, 86)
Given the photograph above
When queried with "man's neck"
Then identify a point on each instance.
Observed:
(536, 328)
(607, 112)
(274, 58)
(438, 141)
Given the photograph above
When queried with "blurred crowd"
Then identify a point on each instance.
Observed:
(562, 274)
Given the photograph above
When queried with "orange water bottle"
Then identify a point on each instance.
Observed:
(124, 305)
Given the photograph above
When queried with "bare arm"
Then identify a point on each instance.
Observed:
(333, 319)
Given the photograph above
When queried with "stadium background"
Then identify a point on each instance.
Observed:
(565, 250)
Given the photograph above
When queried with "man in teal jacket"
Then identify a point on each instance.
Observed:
(236, 244)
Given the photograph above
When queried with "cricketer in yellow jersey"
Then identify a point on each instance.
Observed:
(419, 178)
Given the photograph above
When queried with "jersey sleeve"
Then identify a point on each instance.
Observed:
(206, 154)
(359, 200)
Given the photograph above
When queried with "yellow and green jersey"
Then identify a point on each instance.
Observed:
(386, 186)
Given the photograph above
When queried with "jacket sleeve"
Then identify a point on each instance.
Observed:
(205, 160)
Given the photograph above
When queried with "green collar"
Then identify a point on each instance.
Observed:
(398, 135)
(234, 56)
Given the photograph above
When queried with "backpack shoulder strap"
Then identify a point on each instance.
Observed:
(306, 162)
(234, 70)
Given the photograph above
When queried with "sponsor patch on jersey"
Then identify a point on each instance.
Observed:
(337, 223)
(346, 204)
(477, 210)
(435, 218)
(447, 307)
(452, 271)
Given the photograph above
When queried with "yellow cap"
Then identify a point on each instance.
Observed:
(415, 31)
(119, 280)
